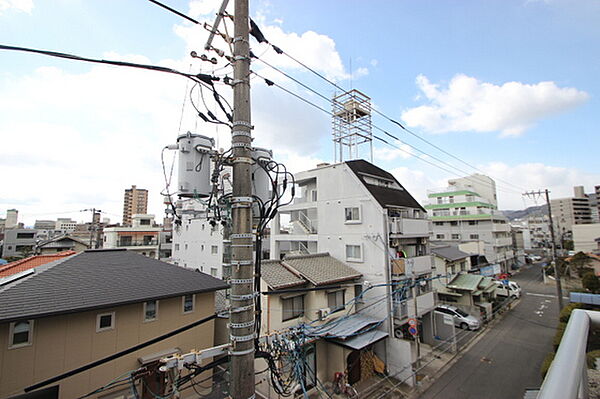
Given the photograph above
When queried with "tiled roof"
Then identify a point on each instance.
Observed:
(466, 282)
(31, 262)
(386, 196)
(64, 237)
(321, 269)
(278, 276)
(97, 279)
(449, 252)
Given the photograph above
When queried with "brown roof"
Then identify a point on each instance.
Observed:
(277, 276)
(31, 262)
(321, 269)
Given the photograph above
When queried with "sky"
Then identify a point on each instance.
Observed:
(509, 87)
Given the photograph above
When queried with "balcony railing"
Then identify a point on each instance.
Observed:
(412, 266)
(406, 308)
(467, 212)
(136, 243)
(407, 226)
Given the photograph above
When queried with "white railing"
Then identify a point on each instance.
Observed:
(306, 223)
(567, 377)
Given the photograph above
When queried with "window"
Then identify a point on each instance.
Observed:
(145, 222)
(21, 333)
(358, 289)
(352, 214)
(150, 310)
(354, 253)
(454, 223)
(474, 236)
(438, 223)
(463, 266)
(335, 300)
(185, 246)
(25, 235)
(440, 200)
(456, 236)
(313, 195)
(188, 303)
(214, 249)
(439, 236)
(126, 240)
(292, 307)
(213, 271)
(451, 199)
(105, 321)
(473, 222)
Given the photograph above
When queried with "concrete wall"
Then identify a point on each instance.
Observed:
(63, 343)
(584, 236)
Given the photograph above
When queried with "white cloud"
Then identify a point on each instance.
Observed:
(468, 104)
(19, 5)
(389, 154)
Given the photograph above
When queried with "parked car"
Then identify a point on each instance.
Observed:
(535, 258)
(461, 318)
(508, 289)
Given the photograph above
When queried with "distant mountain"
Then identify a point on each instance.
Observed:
(532, 210)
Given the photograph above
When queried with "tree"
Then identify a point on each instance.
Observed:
(580, 262)
(590, 282)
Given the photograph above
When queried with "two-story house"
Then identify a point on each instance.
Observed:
(361, 214)
(315, 293)
(63, 315)
(141, 237)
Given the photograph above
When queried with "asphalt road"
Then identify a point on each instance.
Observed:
(507, 359)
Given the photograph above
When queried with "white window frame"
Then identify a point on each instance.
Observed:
(350, 259)
(440, 236)
(11, 335)
(156, 312)
(359, 216)
(112, 321)
(183, 311)
(214, 271)
(455, 236)
(214, 249)
(313, 195)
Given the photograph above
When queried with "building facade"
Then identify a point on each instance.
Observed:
(135, 201)
(460, 213)
(363, 216)
(19, 242)
(141, 237)
(567, 212)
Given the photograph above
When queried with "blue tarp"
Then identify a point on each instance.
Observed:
(581, 297)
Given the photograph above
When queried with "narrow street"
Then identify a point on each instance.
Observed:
(507, 360)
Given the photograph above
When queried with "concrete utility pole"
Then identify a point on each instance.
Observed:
(554, 260)
(241, 326)
(93, 228)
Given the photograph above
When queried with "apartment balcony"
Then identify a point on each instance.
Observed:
(299, 204)
(136, 243)
(464, 214)
(406, 308)
(502, 242)
(497, 227)
(412, 266)
(406, 227)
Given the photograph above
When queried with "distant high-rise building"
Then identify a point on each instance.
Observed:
(12, 219)
(135, 201)
(569, 211)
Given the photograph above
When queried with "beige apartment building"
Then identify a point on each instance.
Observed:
(567, 212)
(135, 201)
(69, 313)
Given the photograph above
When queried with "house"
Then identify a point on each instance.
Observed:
(142, 237)
(22, 265)
(61, 243)
(472, 292)
(360, 214)
(314, 294)
(467, 211)
(82, 308)
(448, 261)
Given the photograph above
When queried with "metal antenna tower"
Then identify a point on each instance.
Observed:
(351, 125)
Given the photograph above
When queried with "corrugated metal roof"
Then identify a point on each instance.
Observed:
(345, 327)
(99, 279)
(466, 282)
(363, 340)
(449, 252)
(321, 269)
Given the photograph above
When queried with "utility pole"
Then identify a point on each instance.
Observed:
(93, 228)
(554, 260)
(242, 323)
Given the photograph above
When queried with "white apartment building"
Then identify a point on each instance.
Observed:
(196, 243)
(142, 237)
(466, 211)
(363, 216)
(65, 225)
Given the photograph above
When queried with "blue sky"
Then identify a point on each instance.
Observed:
(509, 86)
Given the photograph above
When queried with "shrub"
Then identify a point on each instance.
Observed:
(565, 313)
(591, 358)
(546, 364)
(590, 282)
(560, 330)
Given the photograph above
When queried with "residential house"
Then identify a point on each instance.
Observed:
(18, 242)
(314, 294)
(61, 243)
(361, 214)
(448, 261)
(79, 309)
(466, 211)
(142, 237)
(473, 293)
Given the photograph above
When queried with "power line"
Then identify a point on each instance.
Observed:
(474, 178)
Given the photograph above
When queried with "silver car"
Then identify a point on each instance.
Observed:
(461, 318)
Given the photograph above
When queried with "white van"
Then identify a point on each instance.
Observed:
(508, 289)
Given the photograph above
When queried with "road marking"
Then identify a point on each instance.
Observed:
(545, 295)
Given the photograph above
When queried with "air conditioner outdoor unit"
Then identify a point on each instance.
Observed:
(324, 313)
